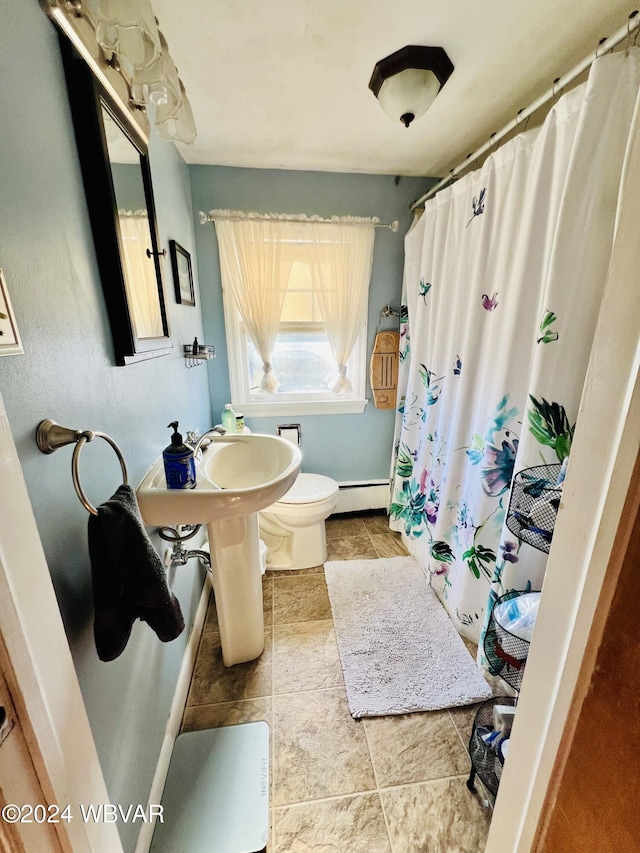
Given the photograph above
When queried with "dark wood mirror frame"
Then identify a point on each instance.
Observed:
(87, 97)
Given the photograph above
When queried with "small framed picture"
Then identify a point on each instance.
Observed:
(182, 274)
(10, 343)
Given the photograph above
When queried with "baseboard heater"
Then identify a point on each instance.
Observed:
(361, 495)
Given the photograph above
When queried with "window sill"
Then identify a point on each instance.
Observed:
(264, 409)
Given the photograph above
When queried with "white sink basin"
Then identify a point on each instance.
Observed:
(238, 475)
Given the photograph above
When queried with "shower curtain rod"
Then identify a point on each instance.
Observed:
(392, 226)
(604, 46)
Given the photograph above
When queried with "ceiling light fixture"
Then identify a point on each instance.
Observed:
(128, 29)
(407, 82)
(121, 37)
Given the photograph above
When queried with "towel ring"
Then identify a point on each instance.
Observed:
(50, 436)
(89, 435)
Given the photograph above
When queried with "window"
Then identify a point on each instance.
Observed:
(301, 354)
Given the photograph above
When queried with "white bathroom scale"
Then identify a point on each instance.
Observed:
(216, 798)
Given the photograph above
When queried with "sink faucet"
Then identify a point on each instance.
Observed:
(219, 430)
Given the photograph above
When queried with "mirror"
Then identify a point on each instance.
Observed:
(134, 230)
(117, 180)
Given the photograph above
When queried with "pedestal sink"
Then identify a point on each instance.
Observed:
(237, 476)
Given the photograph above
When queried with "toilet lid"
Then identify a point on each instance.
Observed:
(309, 488)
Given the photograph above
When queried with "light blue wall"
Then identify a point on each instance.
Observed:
(346, 447)
(67, 373)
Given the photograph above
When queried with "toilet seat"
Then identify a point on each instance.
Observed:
(309, 489)
(293, 527)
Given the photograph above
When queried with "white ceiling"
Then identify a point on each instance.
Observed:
(284, 83)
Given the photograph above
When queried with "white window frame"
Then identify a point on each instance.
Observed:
(307, 403)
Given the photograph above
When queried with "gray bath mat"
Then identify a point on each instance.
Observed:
(399, 650)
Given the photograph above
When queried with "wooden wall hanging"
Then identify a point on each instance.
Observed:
(383, 372)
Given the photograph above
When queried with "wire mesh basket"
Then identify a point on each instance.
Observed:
(484, 757)
(505, 652)
(534, 503)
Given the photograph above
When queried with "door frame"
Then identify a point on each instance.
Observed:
(48, 700)
(606, 823)
(19, 779)
(588, 539)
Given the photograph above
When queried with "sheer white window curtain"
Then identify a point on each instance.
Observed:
(340, 256)
(139, 268)
(255, 268)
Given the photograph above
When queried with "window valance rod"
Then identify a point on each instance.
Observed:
(559, 84)
(354, 220)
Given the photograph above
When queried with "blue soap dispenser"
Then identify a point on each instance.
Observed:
(179, 462)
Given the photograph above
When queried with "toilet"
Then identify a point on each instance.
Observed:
(293, 527)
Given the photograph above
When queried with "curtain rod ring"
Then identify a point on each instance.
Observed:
(600, 43)
(467, 162)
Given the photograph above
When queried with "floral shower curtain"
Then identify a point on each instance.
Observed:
(504, 274)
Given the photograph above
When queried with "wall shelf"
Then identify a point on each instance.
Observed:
(196, 353)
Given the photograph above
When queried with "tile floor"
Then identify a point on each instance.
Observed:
(382, 785)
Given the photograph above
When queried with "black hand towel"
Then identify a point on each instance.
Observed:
(128, 578)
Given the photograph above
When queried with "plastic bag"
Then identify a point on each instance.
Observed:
(518, 615)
